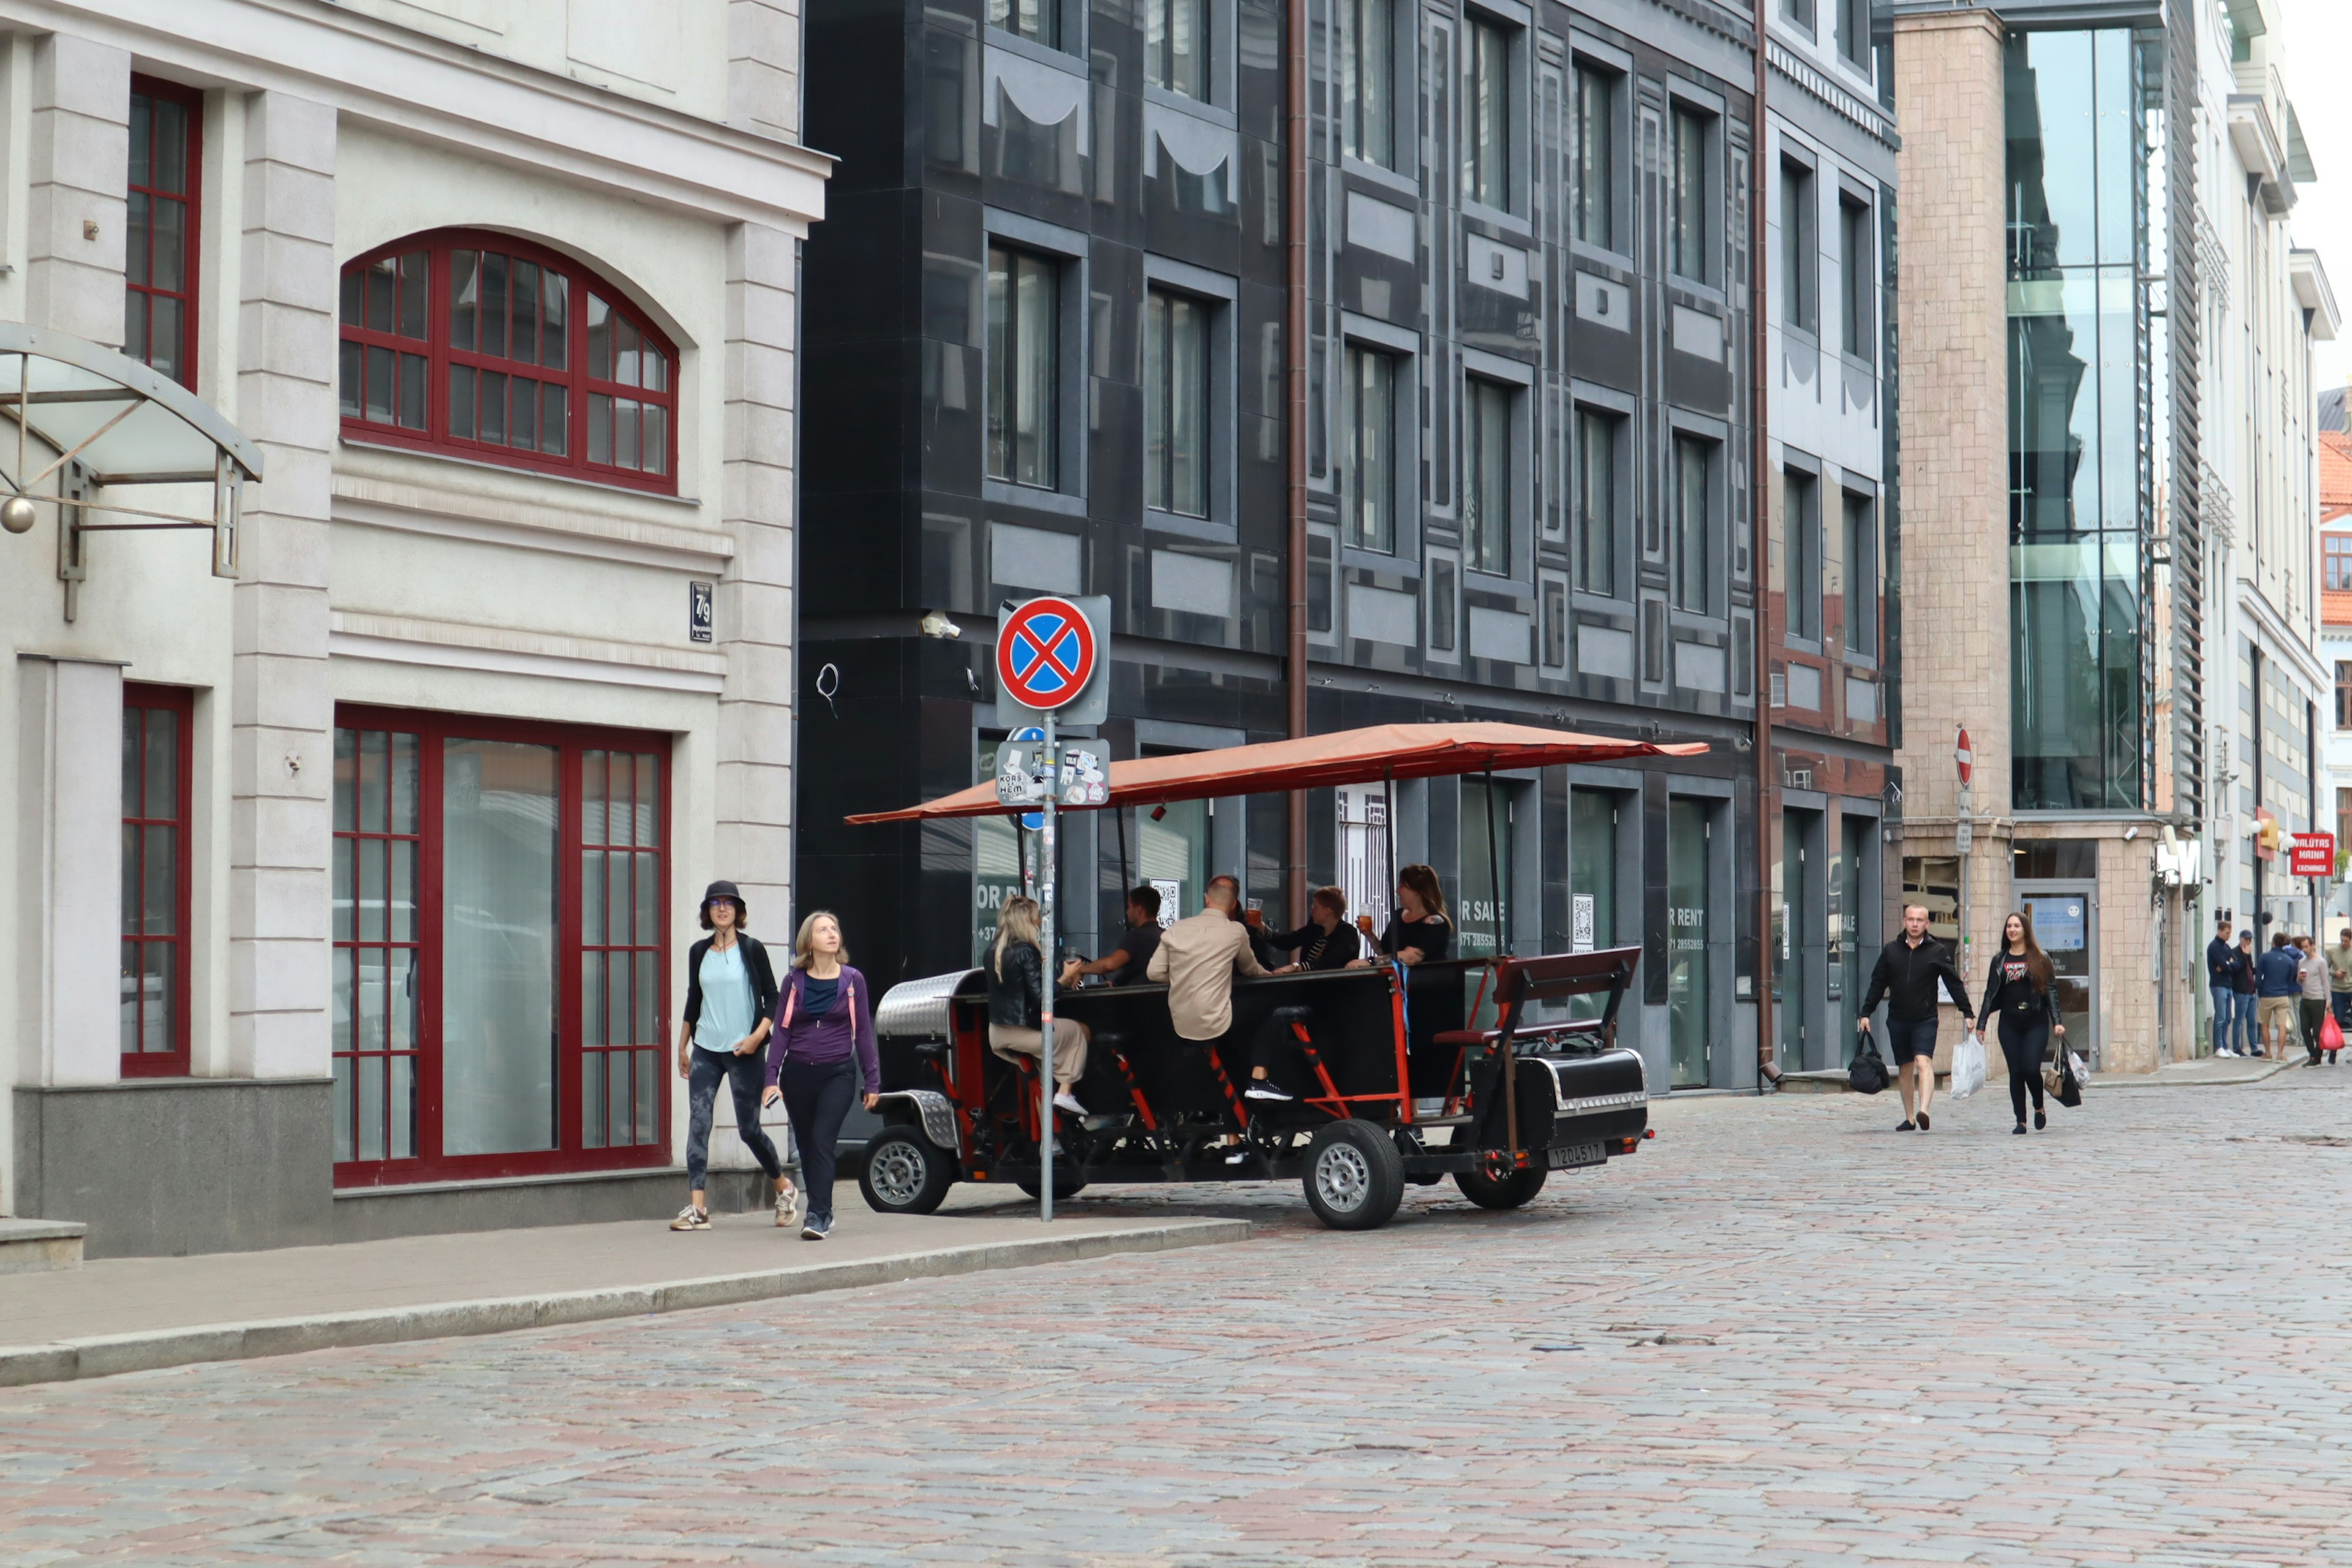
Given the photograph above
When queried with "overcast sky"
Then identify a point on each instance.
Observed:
(2319, 48)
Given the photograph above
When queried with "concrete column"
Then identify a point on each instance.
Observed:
(755, 599)
(79, 169)
(1954, 314)
(763, 67)
(281, 708)
(70, 872)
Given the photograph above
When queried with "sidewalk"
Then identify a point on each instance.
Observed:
(128, 1314)
(2204, 1072)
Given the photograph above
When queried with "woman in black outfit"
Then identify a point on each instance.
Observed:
(2022, 986)
(1418, 933)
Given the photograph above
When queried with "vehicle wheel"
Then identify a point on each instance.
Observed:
(1504, 1190)
(1067, 1183)
(1355, 1177)
(905, 1172)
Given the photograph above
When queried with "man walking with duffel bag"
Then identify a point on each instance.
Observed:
(1905, 976)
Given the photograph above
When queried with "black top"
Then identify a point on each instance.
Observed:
(1139, 942)
(1318, 949)
(755, 965)
(1907, 976)
(2222, 961)
(1431, 934)
(2242, 977)
(1014, 998)
(2008, 990)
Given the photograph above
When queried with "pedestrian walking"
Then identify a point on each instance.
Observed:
(823, 1053)
(1905, 978)
(730, 990)
(2222, 965)
(2312, 971)
(2278, 982)
(2245, 1036)
(2339, 984)
(2022, 986)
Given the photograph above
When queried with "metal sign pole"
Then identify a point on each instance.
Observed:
(1046, 880)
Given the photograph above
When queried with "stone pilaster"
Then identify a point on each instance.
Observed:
(281, 706)
(79, 155)
(755, 599)
(763, 67)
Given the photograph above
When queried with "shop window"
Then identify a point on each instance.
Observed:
(157, 754)
(499, 918)
(159, 301)
(484, 347)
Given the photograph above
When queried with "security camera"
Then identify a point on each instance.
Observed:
(937, 624)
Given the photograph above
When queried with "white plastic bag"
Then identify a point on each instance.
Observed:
(1967, 1067)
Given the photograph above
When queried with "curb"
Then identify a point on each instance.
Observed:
(104, 1355)
(2157, 1079)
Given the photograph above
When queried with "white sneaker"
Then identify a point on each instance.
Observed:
(1067, 1102)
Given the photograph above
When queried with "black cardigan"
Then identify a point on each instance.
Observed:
(1991, 1002)
(755, 965)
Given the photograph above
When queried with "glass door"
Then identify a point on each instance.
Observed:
(1485, 907)
(1592, 881)
(1689, 979)
(2066, 922)
(1173, 857)
(1855, 924)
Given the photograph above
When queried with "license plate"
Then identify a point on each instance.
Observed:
(1571, 1154)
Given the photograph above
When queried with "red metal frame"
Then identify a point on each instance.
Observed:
(193, 101)
(181, 703)
(436, 246)
(571, 1153)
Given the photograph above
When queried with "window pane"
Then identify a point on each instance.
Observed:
(494, 303)
(649, 881)
(164, 319)
(657, 439)
(352, 357)
(554, 418)
(170, 265)
(1486, 489)
(342, 1110)
(1369, 72)
(592, 1103)
(523, 429)
(592, 1000)
(465, 285)
(1188, 404)
(648, 998)
(1596, 159)
(143, 138)
(1687, 219)
(371, 1110)
(163, 768)
(375, 748)
(134, 324)
(401, 998)
(555, 332)
(1023, 370)
(1596, 502)
(617, 1079)
(413, 271)
(600, 339)
(499, 812)
(600, 429)
(403, 783)
(1694, 564)
(343, 889)
(371, 854)
(1797, 251)
(657, 368)
(1371, 438)
(402, 1109)
(379, 384)
(617, 995)
(592, 798)
(625, 432)
(158, 1033)
(381, 292)
(128, 875)
(412, 391)
(160, 881)
(137, 229)
(592, 896)
(461, 401)
(627, 345)
(347, 770)
(491, 407)
(649, 798)
(523, 343)
(371, 1025)
(618, 902)
(171, 166)
(649, 1096)
(404, 891)
(1488, 178)
(354, 280)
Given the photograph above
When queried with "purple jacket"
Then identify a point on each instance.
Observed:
(829, 1038)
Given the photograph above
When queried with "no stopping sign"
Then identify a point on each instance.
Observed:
(1046, 653)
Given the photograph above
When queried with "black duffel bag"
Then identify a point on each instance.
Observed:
(1868, 1073)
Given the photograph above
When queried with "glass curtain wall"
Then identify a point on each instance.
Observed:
(2079, 344)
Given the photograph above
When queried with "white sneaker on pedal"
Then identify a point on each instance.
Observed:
(1262, 1088)
(1067, 1102)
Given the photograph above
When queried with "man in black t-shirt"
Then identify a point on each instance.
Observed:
(1126, 962)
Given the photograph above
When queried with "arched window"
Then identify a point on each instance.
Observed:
(484, 346)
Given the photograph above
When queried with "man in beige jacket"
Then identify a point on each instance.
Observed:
(1197, 957)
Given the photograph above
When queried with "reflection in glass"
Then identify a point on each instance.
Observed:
(1694, 555)
(499, 914)
(1371, 418)
(1024, 367)
(1176, 45)
(1596, 501)
(1596, 157)
(1176, 404)
(1689, 979)
(1486, 151)
(1039, 21)
(1592, 881)
(1367, 114)
(1486, 475)
(1686, 231)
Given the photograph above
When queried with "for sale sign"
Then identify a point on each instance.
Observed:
(2312, 855)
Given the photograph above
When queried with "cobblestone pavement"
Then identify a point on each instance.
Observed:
(1781, 1334)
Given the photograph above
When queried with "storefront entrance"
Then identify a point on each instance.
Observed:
(2066, 923)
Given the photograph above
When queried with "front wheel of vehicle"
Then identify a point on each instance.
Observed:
(1501, 1190)
(1355, 1177)
(905, 1172)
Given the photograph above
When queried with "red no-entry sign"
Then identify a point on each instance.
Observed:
(1046, 653)
(1964, 757)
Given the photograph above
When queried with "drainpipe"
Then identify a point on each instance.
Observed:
(1295, 340)
(1759, 563)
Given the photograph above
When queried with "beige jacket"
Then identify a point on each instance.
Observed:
(1197, 957)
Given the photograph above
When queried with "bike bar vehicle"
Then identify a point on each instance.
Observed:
(1401, 1087)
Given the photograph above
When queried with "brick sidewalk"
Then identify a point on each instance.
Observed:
(1782, 1334)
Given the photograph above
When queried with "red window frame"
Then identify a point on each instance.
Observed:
(138, 302)
(144, 817)
(574, 1149)
(439, 430)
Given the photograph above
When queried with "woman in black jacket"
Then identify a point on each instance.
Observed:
(2022, 986)
(1016, 997)
(730, 997)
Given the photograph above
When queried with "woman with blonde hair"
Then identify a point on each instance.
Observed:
(1016, 997)
(824, 1049)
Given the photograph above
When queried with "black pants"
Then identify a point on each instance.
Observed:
(1283, 1057)
(817, 1097)
(2022, 1044)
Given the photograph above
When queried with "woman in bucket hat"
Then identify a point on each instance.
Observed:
(730, 997)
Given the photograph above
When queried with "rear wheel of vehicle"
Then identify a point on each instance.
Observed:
(1355, 1177)
(1068, 1182)
(905, 1172)
(1501, 1189)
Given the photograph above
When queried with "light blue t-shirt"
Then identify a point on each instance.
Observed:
(726, 1000)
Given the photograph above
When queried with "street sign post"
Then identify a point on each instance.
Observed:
(1048, 658)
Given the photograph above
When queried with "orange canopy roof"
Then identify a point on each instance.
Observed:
(1349, 756)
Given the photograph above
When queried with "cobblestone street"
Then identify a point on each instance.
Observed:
(1781, 1334)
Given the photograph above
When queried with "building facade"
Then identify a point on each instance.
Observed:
(1524, 437)
(2108, 326)
(2334, 440)
(354, 849)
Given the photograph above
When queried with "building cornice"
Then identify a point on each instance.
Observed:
(1816, 84)
(2278, 641)
(422, 86)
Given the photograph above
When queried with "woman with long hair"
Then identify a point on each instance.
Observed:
(1016, 1000)
(730, 994)
(1418, 931)
(824, 1050)
(2021, 985)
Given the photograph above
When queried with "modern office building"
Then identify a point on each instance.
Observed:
(2108, 552)
(1517, 469)
(355, 844)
